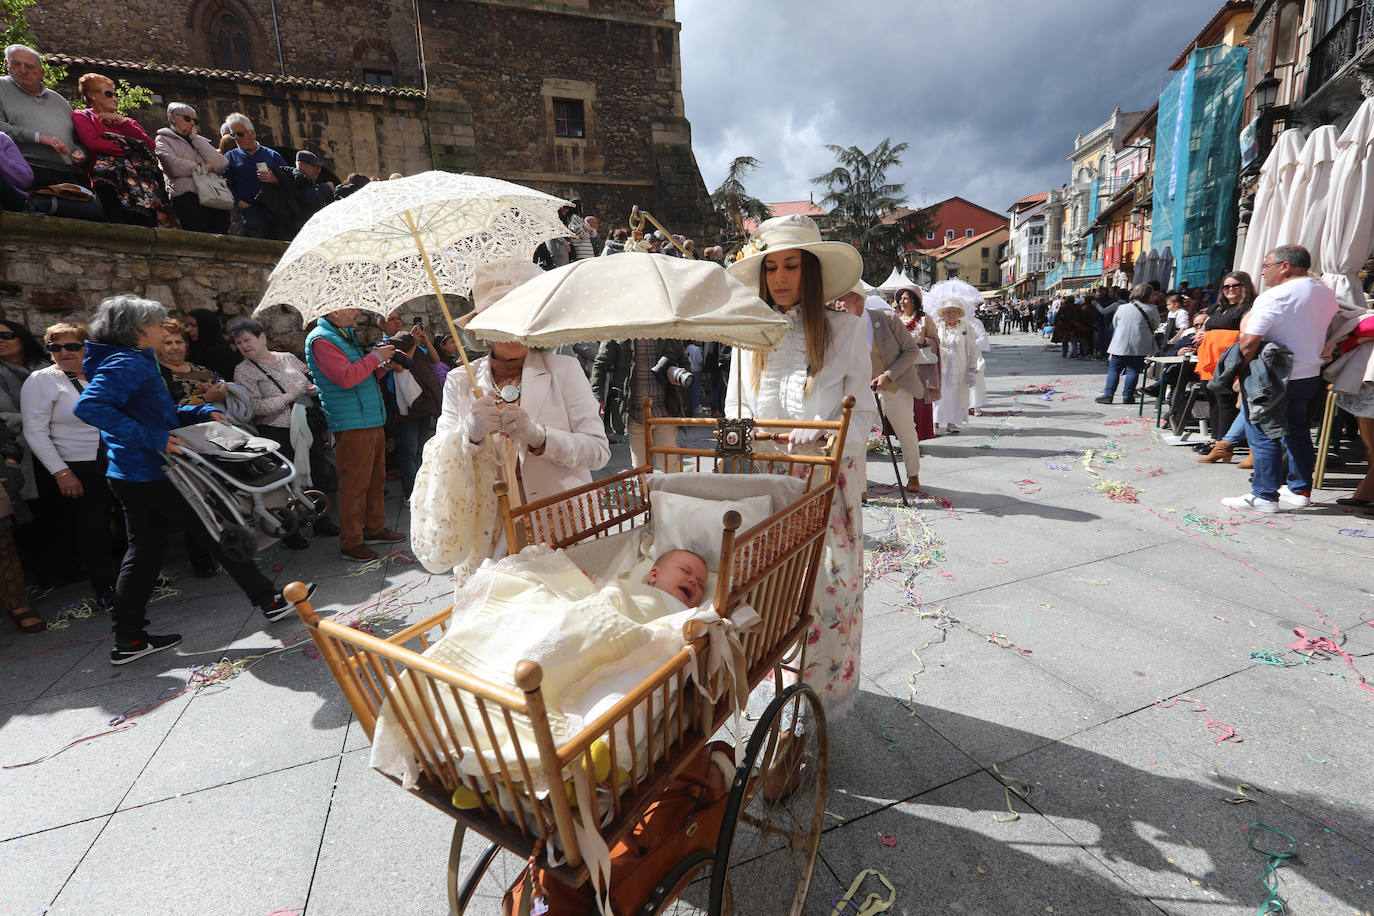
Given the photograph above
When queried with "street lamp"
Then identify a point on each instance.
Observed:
(1266, 92)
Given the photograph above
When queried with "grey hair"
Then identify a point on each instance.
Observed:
(1141, 292)
(11, 50)
(244, 325)
(119, 319)
(1295, 255)
(179, 108)
(236, 118)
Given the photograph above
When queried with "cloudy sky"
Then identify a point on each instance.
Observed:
(989, 93)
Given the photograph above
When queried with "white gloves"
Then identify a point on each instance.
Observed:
(486, 418)
(972, 379)
(518, 425)
(803, 437)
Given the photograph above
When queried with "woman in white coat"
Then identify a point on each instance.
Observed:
(536, 426)
(979, 398)
(182, 151)
(952, 301)
(824, 356)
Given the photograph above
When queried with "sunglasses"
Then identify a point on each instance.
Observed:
(8, 335)
(69, 347)
(1231, 286)
(191, 118)
(239, 133)
(108, 93)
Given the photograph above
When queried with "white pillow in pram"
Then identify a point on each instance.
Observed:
(609, 557)
(688, 523)
(782, 489)
(212, 437)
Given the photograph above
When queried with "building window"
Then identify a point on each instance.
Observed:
(949, 235)
(984, 276)
(968, 233)
(930, 235)
(378, 77)
(229, 43)
(569, 119)
(985, 252)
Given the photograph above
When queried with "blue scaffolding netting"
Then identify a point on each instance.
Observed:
(1197, 158)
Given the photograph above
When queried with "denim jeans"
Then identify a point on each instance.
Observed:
(1127, 367)
(1297, 444)
(1236, 434)
(411, 435)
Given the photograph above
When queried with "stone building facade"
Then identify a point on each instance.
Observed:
(579, 98)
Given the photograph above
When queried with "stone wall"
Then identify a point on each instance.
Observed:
(52, 269)
(332, 41)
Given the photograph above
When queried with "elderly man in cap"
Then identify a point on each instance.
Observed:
(319, 193)
(894, 352)
(39, 121)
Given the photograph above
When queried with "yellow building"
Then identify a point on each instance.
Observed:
(974, 260)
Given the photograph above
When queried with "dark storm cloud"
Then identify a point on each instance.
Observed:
(988, 94)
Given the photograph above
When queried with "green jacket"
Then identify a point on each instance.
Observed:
(613, 371)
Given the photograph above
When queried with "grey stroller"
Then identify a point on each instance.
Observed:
(245, 492)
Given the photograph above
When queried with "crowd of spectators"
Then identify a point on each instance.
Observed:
(95, 163)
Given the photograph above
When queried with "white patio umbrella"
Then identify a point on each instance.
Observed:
(632, 295)
(1305, 213)
(1271, 197)
(895, 281)
(1348, 235)
(394, 241)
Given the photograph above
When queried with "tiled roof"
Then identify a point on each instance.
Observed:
(958, 244)
(1230, 6)
(1029, 200)
(268, 79)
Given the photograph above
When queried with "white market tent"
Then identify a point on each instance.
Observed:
(895, 281)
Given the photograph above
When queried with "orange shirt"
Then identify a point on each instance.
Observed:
(1214, 343)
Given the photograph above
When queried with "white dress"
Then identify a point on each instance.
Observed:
(834, 641)
(979, 399)
(958, 356)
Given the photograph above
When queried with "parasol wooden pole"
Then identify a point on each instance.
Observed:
(448, 318)
(638, 216)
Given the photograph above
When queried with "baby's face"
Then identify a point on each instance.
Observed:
(681, 574)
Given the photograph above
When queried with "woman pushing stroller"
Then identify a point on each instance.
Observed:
(125, 399)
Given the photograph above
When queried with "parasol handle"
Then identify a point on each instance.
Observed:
(637, 218)
(443, 304)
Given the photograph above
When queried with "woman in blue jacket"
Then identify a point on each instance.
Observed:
(126, 400)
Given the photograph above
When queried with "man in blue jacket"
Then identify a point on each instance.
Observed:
(126, 399)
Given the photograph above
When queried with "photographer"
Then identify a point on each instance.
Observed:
(627, 371)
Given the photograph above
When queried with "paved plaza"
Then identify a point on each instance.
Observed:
(1071, 613)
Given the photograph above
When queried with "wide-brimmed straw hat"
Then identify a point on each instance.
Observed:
(841, 263)
(493, 279)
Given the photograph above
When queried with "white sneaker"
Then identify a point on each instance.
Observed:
(1251, 503)
(1297, 500)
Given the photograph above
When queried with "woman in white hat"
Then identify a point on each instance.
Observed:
(952, 301)
(823, 357)
(536, 426)
(540, 401)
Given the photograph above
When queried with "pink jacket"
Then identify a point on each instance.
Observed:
(180, 158)
(89, 129)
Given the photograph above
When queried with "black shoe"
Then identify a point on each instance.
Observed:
(326, 527)
(1151, 390)
(1203, 448)
(281, 607)
(296, 541)
(1103, 399)
(1128, 400)
(121, 653)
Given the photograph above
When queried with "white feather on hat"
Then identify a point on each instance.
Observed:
(946, 294)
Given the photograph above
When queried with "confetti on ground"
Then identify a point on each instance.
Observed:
(1356, 532)
(1027, 486)
(1221, 730)
(888, 839)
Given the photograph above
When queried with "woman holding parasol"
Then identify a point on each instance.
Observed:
(824, 356)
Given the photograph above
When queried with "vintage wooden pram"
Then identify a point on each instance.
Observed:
(763, 859)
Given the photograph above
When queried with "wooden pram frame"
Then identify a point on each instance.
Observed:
(771, 567)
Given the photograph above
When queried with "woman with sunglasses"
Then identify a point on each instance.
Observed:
(120, 162)
(1221, 330)
(182, 151)
(72, 482)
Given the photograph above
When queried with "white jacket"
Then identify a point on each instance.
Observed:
(556, 394)
(180, 157)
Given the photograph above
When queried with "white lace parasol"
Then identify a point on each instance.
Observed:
(369, 250)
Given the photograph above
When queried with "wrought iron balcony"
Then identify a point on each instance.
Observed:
(1349, 39)
(1073, 270)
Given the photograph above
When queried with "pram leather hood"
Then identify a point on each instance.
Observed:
(126, 399)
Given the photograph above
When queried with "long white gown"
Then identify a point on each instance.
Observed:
(958, 355)
(979, 398)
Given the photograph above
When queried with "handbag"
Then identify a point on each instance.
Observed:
(926, 356)
(212, 191)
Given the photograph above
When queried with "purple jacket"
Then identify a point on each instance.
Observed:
(13, 165)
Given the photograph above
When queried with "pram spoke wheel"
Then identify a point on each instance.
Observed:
(685, 890)
(772, 828)
(238, 543)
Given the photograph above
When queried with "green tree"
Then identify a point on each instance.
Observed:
(858, 195)
(735, 205)
(14, 30)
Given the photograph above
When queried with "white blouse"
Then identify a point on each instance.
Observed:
(847, 368)
(52, 431)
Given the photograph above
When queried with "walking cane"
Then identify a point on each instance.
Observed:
(882, 418)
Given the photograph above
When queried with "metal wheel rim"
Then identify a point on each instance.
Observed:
(767, 844)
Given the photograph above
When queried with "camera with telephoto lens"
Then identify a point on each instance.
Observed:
(672, 375)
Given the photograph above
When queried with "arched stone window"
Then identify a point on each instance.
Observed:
(225, 34)
(230, 43)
